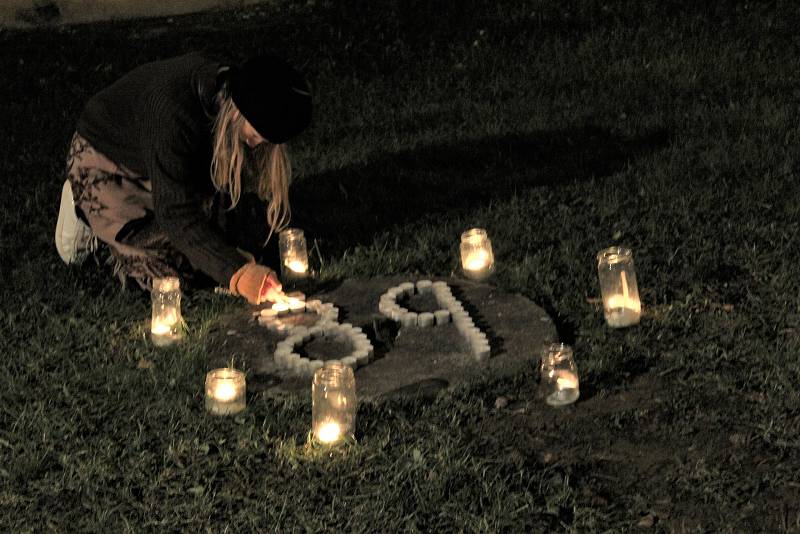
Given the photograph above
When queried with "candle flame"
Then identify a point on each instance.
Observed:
(280, 306)
(329, 432)
(623, 301)
(164, 322)
(477, 260)
(297, 266)
(567, 380)
(224, 391)
(160, 329)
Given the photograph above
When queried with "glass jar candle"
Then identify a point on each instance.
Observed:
(166, 324)
(477, 260)
(294, 254)
(225, 391)
(559, 375)
(333, 404)
(621, 305)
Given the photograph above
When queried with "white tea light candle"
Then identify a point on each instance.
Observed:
(296, 306)
(280, 308)
(225, 391)
(442, 316)
(409, 320)
(477, 259)
(405, 287)
(425, 319)
(621, 304)
(424, 286)
(166, 324)
(565, 389)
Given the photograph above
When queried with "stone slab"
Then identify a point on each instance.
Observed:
(408, 361)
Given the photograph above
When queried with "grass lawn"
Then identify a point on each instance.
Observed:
(561, 127)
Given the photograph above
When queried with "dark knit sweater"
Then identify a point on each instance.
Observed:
(157, 121)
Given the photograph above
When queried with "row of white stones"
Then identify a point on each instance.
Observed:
(452, 309)
(326, 326)
(361, 354)
(271, 317)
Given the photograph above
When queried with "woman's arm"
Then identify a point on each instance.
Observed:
(169, 152)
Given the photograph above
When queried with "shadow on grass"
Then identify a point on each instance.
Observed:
(350, 206)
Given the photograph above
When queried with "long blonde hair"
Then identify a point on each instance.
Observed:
(272, 165)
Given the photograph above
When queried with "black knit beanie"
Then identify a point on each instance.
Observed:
(273, 97)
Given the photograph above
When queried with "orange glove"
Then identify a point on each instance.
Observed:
(272, 290)
(254, 282)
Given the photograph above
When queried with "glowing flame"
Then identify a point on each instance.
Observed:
(329, 432)
(567, 380)
(224, 391)
(477, 260)
(164, 323)
(297, 266)
(161, 329)
(621, 301)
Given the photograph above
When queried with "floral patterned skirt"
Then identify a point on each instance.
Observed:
(118, 206)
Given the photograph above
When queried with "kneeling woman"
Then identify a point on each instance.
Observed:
(160, 155)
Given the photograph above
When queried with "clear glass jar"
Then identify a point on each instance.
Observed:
(294, 254)
(333, 404)
(477, 259)
(621, 305)
(225, 391)
(559, 375)
(166, 323)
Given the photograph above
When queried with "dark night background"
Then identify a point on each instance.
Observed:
(560, 127)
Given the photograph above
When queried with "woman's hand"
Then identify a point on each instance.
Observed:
(255, 283)
(272, 290)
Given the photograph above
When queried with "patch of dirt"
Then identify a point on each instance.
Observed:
(615, 450)
(410, 361)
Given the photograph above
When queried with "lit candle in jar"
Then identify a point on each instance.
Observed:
(477, 259)
(333, 404)
(294, 254)
(621, 304)
(225, 391)
(165, 322)
(559, 375)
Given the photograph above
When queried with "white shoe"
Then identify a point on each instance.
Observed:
(74, 238)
